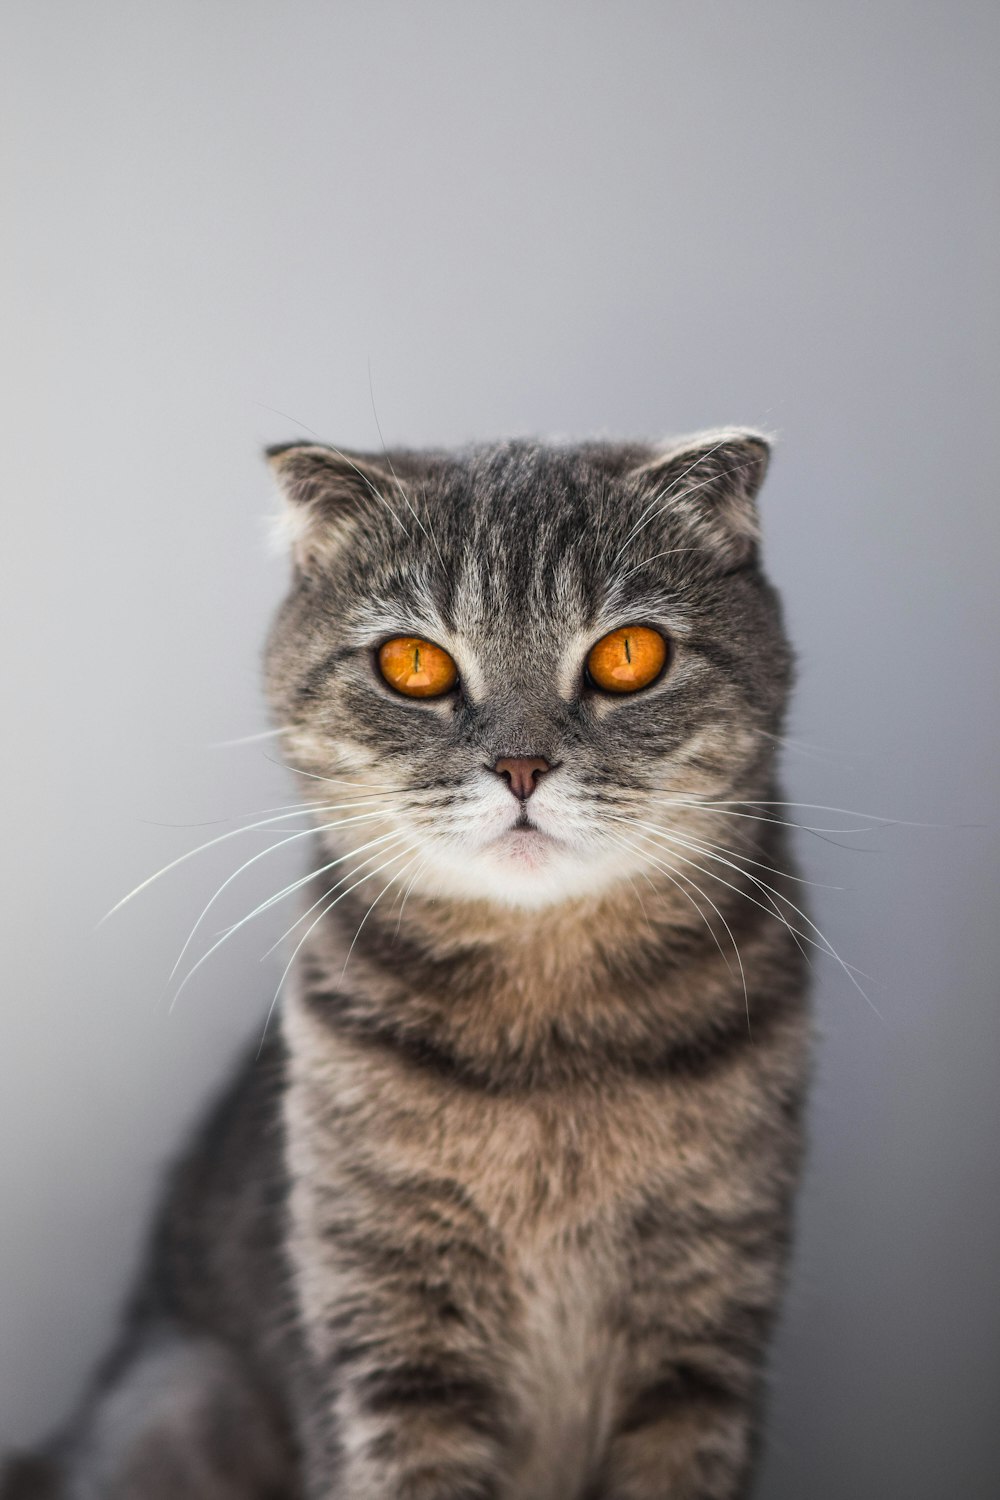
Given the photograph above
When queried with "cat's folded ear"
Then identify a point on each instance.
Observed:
(713, 477)
(324, 491)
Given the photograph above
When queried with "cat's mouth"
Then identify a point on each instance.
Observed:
(525, 843)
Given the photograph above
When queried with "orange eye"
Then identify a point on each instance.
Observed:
(627, 659)
(417, 668)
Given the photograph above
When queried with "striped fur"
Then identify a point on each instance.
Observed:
(504, 1212)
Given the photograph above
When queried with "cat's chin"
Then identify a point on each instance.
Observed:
(526, 848)
(523, 867)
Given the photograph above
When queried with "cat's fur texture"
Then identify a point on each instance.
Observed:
(503, 1214)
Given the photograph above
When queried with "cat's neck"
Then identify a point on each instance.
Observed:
(500, 995)
(563, 946)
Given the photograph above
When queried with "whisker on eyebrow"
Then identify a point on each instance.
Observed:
(668, 552)
(375, 491)
(395, 478)
(665, 494)
(683, 494)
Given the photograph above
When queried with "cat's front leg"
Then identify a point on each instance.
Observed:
(697, 1323)
(406, 1423)
(418, 1434)
(684, 1438)
(403, 1297)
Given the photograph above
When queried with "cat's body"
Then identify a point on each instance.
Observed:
(503, 1214)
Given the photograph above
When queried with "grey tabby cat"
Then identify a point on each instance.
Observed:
(503, 1212)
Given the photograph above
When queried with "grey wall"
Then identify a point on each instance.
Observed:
(569, 219)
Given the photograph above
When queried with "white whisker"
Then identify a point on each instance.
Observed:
(378, 898)
(625, 843)
(729, 812)
(266, 905)
(666, 870)
(847, 812)
(312, 874)
(372, 786)
(309, 929)
(402, 906)
(247, 739)
(303, 833)
(823, 945)
(818, 885)
(182, 858)
(772, 908)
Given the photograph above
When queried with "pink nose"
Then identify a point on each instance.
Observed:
(522, 775)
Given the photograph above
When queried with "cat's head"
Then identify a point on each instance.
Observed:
(434, 663)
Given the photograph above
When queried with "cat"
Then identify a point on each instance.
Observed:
(502, 1211)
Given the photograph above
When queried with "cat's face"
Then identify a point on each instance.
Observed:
(515, 562)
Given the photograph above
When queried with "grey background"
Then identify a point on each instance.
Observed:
(565, 219)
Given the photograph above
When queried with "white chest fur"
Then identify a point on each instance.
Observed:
(565, 1369)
